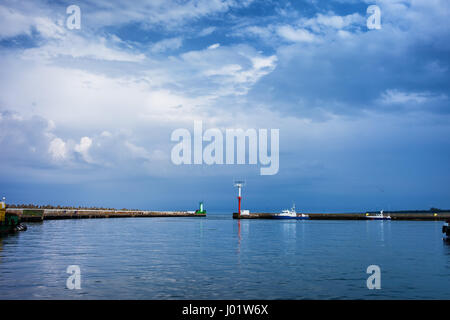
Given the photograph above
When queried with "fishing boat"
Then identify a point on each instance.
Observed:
(290, 214)
(9, 222)
(378, 216)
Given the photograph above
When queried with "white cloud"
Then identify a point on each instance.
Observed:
(48, 28)
(229, 70)
(167, 13)
(241, 79)
(75, 46)
(264, 62)
(263, 32)
(14, 22)
(295, 35)
(214, 46)
(305, 30)
(58, 149)
(93, 99)
(207, 31)
(138, 152)
(83, 148)
(394, 96)
(330, 20)
(167, 44)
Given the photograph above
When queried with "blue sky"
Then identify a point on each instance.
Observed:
(86, 115)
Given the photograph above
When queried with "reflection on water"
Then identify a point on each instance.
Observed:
(289, 229)
(219, 258)
(239, 237)
(242, 232)
(378, 229)
(382, 225)
(239, 231)
(1, 248)
(201, 228)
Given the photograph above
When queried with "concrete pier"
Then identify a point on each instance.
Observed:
(425, 215)
(36, 215)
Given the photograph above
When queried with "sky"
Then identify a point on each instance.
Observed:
(86, 114)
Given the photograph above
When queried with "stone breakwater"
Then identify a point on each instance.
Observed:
(32, 215)
(356, 216)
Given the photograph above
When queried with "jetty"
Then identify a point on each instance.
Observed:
(431, 214)
(36, 215)
(396, 215)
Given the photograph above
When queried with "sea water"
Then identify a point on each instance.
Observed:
(217, 257)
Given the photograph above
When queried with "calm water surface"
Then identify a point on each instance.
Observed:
(221, 258)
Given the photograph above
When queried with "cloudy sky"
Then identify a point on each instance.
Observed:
(86, 114)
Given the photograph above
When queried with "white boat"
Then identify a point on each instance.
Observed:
(290, 214)
(446, 230)
(378, 216)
